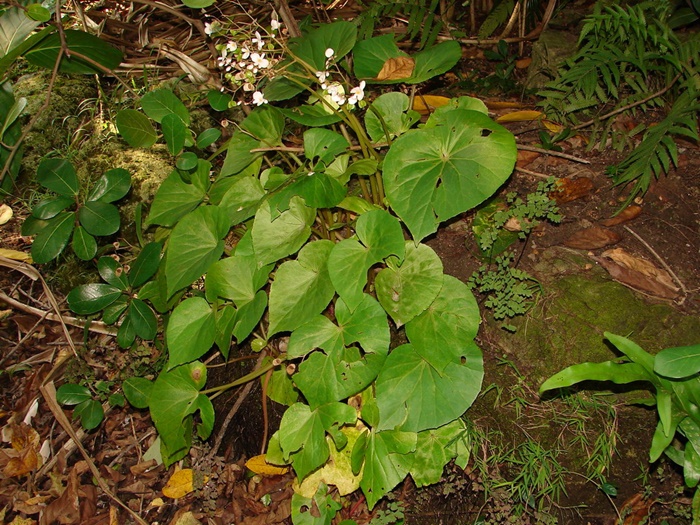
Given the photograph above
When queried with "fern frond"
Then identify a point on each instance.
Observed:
(657, 151)
(498, 15)
(421, 16)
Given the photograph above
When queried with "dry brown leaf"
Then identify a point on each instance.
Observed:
(572, 189)
(24, 456)
(184, 517)
(396, 68)
(22, 521)
(636, 510)
(526, 157)
(523, 63)
(66, 508)
(626, 215)
(592, 238)
(642, 275)
(552, 127)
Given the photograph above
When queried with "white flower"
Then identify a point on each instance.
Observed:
(231, 46)
(357, 94)
(208, 29)
(322, 76)
(259, 99)
(274, 23)
(245, 52)
(329, 52)
(259, 60)
(337, 93)
(258, 40)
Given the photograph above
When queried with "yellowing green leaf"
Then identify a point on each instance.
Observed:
(259, 465)
(181, 483)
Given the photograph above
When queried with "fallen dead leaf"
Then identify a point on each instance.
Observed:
(552, 127)
(639, 274)
(572, 189)
(22, 521)
(425, 104)
(259, 465)
(184, 517)
(16, 255)
(66, 508)
(523, 63)
(636, 510)
(182, 483)
(24, 456)
(520, 116)
(396, 68)
(592, 238)
(5, 213)
(626, 215)
(526, 157)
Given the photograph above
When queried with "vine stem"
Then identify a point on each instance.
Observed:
(218, 390)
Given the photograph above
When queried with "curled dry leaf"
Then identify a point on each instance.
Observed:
(523, 63)
(259, 465)
(425, 104)
(183, 482)
(24, 456)
(572, 189)
(5, 213)
(636, 510)
(520, 116)
(66, 508)
(525, 158)
(592, 238)
(626, 215)
(638, 273)
(396, 68)
(513, 225)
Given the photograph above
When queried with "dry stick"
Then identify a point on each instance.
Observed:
(49, 392)
(553, 153)
(628, 106)
(93, 326)
(533, 173)
(658, 258)
(266, 426)
(237, 405)
(287, 17)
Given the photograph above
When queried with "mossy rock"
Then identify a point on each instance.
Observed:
(580, 303)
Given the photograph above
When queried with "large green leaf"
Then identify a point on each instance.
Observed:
(390, 114)
(336, 374)
(338, 36)
(145, 265)
(194, 245)
(275, 239)
(99, 218)
(432, 174)
(112, 186)
(51, 206)
(413, 396)
(435, 61)
(175, 198)
(238, 277)
(159, 103)
(265, 123)
(301, 289)
(175, 133)
(137, 391)
(143, 319)
(406, 290)
(434, 449)
(313, 116)
(387, 462)
(248, 316)
(15, 26)
(242, 196)
(238, 153)
(380, 236)
(302, 433)
(370, 54)
(53, 238)
(46, 52)
(58, 175)
(191, 331)
(323, 145)
(84, 244)
(136, 128)
(321, 509)
(175, 396)
(91, 298)
(319, 190)
(442, 332)
(679, 362)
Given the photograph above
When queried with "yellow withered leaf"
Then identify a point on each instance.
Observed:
(182, 483)
(520, 116)
(396, 68)
(5, 213)
(260, 466)
(424, 104)
(15, 255)
(552, 127)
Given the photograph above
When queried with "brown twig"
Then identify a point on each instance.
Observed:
(629, 106)
(49, 392)
(533, 173)
(266, 425)
(543, 151)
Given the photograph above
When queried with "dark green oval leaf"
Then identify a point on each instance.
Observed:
(53, 238)
(90, 413)
(99, 218)
(143, 319)
(84, 244)
(46, 52)
(112, 186)
(49, 208)
(72, 394)
(136, 128)
(146, 264)
(58, 175)
(159, 103)
(207, 137)
(175, 132)
(91, 298)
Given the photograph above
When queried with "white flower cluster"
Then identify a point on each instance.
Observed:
(334, 91)
(246, 61)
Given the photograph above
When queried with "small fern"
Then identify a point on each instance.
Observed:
(421, 16)
(498, 15)
(657, 150)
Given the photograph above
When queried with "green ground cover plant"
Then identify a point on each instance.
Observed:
(310, 254)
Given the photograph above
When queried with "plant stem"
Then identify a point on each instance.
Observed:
(218, 390)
